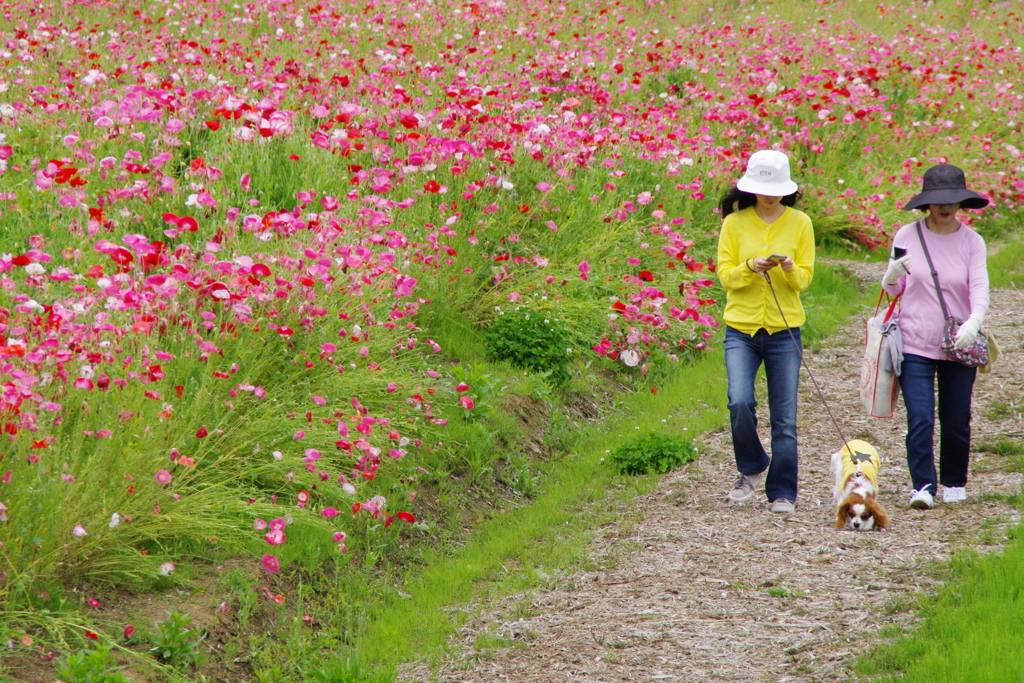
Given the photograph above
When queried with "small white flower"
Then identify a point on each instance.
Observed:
(115, 519)
(630, 358)
(166, 568)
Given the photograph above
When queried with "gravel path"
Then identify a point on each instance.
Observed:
(692, 589)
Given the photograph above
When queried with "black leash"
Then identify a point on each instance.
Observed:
(803, 362)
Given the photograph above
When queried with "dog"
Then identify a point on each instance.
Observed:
(855, 467)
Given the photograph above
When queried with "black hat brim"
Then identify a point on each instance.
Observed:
(962, 196)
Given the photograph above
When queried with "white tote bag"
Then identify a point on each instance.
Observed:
(883, 353)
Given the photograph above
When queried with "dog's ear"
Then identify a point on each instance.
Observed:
(842, 513)
(879, 513)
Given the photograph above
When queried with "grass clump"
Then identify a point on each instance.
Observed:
(653, 453)
(92, 666)
(349, 670)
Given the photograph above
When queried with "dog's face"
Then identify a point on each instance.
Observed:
(861, 514)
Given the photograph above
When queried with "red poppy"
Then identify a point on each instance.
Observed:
(619, 306)
(432, 186)
(407, 517)
(646, 276)
(213, 124)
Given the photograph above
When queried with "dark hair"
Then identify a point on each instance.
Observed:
(736, 199)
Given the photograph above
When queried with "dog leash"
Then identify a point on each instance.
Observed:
(803, 362)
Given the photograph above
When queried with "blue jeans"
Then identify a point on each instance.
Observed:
(956, 384)
(744, 355)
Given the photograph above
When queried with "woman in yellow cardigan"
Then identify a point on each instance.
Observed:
(763, 237)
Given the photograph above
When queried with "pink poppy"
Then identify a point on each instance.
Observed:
(163, 477)
(270, 564)
(275, 537)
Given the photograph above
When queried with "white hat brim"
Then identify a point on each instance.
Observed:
(783, 189)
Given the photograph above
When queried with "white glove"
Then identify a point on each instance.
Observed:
(967, 333)
(897, 269)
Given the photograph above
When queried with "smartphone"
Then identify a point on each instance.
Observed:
(898, 252)
(778, 257)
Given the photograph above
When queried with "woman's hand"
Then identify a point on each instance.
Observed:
(967, 333)
(762, 264)
(897, 269)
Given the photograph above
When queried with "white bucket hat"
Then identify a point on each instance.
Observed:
(767, 174)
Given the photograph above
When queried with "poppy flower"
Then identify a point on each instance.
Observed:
(163, 477)
(270, 564)
(407, 517)
(129, 631)
(275, 537)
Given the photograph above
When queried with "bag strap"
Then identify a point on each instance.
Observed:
(931, 266)
(890, 307)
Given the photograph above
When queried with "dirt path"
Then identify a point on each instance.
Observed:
(692, 589)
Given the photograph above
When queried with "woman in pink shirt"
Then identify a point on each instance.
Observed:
(958, 255)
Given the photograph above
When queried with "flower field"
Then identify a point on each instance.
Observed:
(237, 237)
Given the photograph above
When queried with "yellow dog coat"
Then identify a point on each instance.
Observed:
(863, 458)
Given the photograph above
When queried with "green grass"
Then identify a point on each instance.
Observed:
(973, 630)
(1006, 266)
(829, 302)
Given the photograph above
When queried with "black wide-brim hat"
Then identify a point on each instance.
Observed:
(945, 184)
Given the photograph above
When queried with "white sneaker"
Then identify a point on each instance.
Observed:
(922, 500)
(743, 489)
(954, 494)
(781, 506)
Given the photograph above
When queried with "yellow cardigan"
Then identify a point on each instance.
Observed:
(749, 303)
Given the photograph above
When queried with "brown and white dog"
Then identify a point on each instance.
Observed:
(855, 467)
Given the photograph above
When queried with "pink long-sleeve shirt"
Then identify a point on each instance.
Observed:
(960, 262)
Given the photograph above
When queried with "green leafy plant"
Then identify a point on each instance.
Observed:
(175, 643)
(95, 666)
(532, 340)
(484, 388)
(653, 453)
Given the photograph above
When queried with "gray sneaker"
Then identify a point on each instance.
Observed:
(743, 489)
(781, 506)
